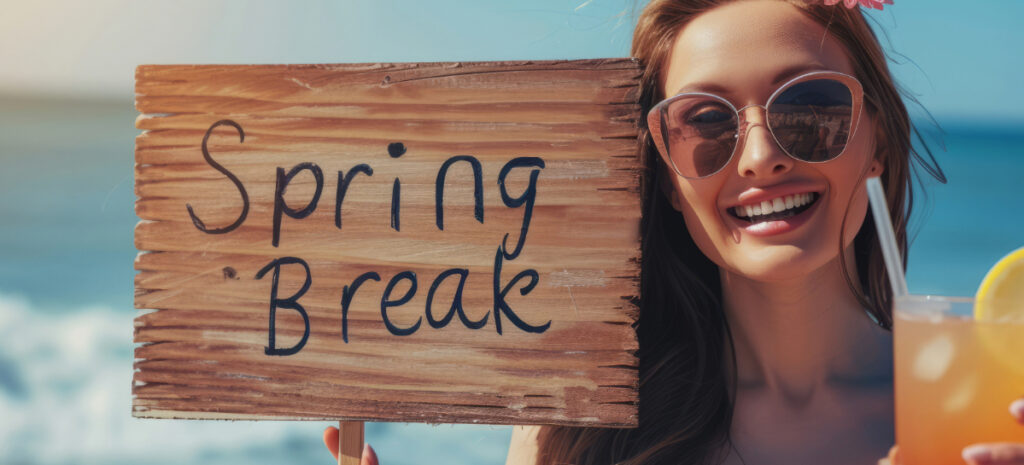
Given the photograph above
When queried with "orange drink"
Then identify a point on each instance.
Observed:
(955, 377)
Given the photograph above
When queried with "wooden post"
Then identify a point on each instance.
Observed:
(350, 442)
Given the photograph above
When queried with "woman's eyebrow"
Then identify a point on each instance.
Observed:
(780, 77)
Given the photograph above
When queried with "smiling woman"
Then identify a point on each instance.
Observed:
(764, 327)
(764, 319)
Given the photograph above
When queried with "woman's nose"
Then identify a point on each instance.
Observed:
(760, 155)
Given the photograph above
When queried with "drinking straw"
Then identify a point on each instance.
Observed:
(886, 235)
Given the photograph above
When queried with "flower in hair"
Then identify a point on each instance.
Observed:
(876, 4)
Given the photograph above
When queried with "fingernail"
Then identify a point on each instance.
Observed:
(976, 454)
(1017, 409)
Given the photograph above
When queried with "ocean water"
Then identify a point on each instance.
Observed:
(66, 311)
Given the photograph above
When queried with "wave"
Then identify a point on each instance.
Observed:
(65, 396)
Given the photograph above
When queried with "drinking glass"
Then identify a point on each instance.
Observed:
(955, 377)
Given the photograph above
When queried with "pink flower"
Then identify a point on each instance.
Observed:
(876, 4)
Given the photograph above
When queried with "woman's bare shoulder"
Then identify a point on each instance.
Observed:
(522, 450)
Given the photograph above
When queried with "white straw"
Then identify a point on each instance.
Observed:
(886, 235)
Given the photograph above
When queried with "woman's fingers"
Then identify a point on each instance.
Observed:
(331, 441)
(893, 458)
(369, 456)
(1017, 410)
(1003, 453)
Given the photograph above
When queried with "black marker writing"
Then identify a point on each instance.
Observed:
(395, 150)
(238, 184)
(344, 180)
(500, 306)
(456, 306)
(386, 302)
(396, 196)
(280, 206)
(347, 293)
(291, 302)
(528, 196)
(478, 188)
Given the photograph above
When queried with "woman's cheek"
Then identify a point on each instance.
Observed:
(703, 223)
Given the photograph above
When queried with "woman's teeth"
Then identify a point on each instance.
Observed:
(779, 207)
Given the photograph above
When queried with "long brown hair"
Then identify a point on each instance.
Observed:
(685, 406)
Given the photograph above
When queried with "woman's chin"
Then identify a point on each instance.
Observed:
(780, 263)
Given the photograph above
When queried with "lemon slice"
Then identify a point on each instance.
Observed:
(999, 312)
(1001, 294)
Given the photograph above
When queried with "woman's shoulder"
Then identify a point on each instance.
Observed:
(522, 449)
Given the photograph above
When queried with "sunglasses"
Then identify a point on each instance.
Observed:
(812, 117)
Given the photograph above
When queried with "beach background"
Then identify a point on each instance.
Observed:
(66, 214)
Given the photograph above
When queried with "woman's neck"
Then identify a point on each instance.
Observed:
(796, 336)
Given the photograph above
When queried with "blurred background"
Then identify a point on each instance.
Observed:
(66, 214)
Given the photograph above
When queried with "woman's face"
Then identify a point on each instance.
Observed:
(743, 52)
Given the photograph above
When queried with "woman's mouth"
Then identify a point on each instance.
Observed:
(775, 209)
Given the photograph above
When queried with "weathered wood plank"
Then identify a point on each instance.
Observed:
(564, 353)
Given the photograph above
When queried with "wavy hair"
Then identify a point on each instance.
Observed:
(686, 403)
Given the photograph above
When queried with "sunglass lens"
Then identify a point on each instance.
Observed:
(812, 119)
(699, 133)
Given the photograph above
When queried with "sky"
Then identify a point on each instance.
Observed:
(962, 57)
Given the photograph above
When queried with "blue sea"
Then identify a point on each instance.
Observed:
(66, 252)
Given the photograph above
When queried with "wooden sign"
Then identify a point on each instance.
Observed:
(430, 242)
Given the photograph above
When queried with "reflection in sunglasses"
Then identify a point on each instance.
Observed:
(811, 117)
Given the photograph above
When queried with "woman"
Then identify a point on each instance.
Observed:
(764, 328)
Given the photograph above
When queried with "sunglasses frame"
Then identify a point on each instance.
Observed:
(656, 117)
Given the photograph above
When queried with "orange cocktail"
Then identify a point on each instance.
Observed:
(955, 378)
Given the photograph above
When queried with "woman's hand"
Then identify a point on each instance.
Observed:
(331, 441)
(893, 458)
(1001, 453)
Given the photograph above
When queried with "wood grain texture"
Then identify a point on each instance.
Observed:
(204, 339)
(350, 442)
